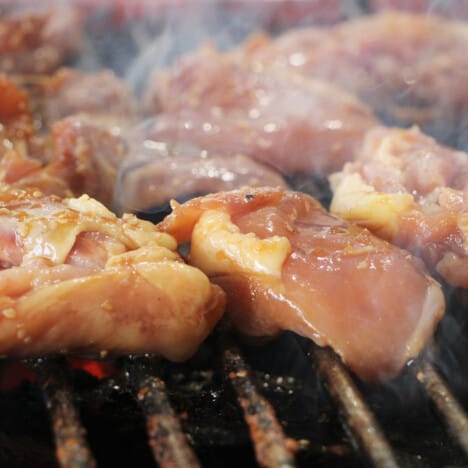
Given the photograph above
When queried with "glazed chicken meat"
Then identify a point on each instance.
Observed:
(70, 91)
(87, 152)
(236, 129)
(410, 68)
(17, 129)
(281, 119)
(75, 278)
(38, 40)
(408, 189)
(155, 172)
(286, 264)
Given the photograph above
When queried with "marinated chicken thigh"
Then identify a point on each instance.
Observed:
(70, 91)
(156, 171)
(291, 123)
(410, 190)
(75, 278)
(17, 129)
(24, 172)
(38, 40)
(410, 68)
(86, 153)
(286, 264)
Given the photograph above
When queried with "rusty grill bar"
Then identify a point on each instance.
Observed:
(359, 420)
(169, 444)
(272, 447)
(448, 407)
(166, 438)
(72, 450)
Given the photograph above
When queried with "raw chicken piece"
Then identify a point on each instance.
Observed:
(286, 264)
(156, 171)
(450, 8)
(410, 190)
(87, 152)
(81, 156)
(286, 121)
(83, 152)
(410, 68)
(25, 172)
(290, 13)
(16, 122)
(38, 41)
(70, 92)
(22, 151)
(74, 277)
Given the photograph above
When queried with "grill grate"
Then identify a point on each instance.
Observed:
(446, 404)
(144, 378)
(271, 445)
(166, 438)
(70, 437)
(358, 419)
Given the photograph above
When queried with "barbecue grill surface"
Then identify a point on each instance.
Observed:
(111, 414)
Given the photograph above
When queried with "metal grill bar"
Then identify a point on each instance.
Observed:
(70, 436)
(271, 445)
(449, 408)
(166, 438)
(359, 420)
